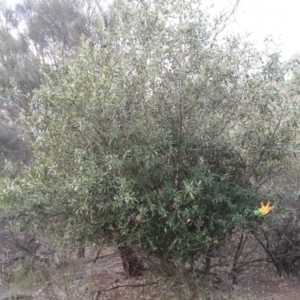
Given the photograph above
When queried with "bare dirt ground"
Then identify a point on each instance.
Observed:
(269, 288)
(84, 279)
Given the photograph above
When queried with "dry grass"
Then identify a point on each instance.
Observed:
(82, 279)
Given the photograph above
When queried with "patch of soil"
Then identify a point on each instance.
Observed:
(104, 279)
(268, 286)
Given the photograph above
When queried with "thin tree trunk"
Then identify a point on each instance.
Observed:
(131, 264)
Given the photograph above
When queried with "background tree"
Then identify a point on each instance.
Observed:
(36, 35)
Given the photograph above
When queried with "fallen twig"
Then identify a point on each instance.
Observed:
(131, 285)
(116, 286)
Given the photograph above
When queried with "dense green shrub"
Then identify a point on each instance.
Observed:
(162, 137)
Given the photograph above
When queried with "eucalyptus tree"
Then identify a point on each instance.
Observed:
(36, 35)
(19, 66)
(57, 27)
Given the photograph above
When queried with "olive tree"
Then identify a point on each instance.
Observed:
(163, 139)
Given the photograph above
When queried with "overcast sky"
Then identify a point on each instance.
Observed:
(262, 18)
(268, 17)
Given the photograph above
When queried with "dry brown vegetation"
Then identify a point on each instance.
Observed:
(100, 275)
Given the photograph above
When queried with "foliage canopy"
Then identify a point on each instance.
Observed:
(163, 136)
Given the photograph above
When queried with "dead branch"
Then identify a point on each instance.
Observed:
(131, 285)
(116, 286)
